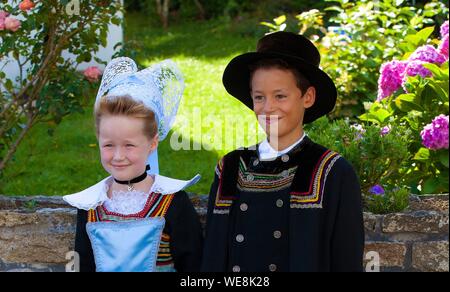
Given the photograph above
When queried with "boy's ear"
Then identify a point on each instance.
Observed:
(309, 97)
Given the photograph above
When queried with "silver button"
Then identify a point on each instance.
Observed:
(256, 162)
(244, 207)
(236, 269)
(279, 203)
(285, 173)
(250, 177)
(239, 238)
(285, 158)
(272, 267)
(277, 234)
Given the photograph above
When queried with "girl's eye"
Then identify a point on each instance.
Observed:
(130, 145)
(107, 145)
(258, 98)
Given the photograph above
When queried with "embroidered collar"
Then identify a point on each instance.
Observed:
(266, 152)
(96, 195)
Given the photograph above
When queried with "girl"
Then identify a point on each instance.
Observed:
(287, 204)
(132, 221)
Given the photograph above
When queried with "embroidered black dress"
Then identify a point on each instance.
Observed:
(180, 248)
(299, 212)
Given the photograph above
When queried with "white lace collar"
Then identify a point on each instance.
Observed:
(96, 195)
(266, 152)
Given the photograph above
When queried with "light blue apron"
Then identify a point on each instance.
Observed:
(126, 246)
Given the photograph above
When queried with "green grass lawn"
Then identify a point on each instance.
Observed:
(69, 161)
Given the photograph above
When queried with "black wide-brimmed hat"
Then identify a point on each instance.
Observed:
(298, 52)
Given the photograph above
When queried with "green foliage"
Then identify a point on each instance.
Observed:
(70, 158)
(376, 158)
(395, 200)
(48, 86)
(183, 10)
(365, 34)
(426, 98)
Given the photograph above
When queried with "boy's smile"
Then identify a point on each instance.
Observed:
(280, 105)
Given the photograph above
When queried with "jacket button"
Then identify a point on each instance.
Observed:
(250, 177)
(279, 203)
(277, 234)
(236, 269)
(285, 173)
(272, 267)
(285, 158)
(239, 238)
(256, 162)
(244, 207)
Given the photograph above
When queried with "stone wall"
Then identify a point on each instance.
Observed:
(36, 233)
(416, 240)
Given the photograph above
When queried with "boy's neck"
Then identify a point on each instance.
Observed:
(285, 141)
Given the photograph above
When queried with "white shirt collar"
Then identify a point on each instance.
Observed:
(95, 195)
(266, 152)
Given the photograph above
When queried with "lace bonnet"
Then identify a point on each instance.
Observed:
(159, 87)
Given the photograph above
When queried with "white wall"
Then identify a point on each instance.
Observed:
(115, 35)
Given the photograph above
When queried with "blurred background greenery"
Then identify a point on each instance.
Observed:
(201, 36)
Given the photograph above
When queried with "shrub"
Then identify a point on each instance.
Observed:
(414, 92)
(34, 35)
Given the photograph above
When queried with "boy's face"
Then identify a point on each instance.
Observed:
(275, 93)
(124, 148)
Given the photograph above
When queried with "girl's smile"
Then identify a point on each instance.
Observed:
(124, 148)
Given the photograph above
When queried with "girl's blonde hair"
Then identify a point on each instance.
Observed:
(126, 106)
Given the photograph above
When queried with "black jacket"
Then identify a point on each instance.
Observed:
(325, 221)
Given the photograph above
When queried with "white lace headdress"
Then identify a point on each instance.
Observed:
(159, 87)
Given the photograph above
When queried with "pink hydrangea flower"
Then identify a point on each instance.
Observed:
(444, 29)
(391, 77)
(428, 54)
(26, 5)
(415, 68)
(12, 24)
(3, 15)
(92, 73)
(443, 47)
(435, 135)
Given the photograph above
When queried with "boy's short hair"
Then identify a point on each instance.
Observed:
(302, 82)
(126, 106)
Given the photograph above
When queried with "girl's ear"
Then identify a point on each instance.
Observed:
(309, 97)
(154, 143)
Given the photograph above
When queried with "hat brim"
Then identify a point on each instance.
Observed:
(236, 79)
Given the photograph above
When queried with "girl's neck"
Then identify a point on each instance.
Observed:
(143, 186)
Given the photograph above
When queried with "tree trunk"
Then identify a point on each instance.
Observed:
(166, 13)
(200, 8)
(162, 8)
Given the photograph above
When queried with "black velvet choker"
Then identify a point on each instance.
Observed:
(134, 180)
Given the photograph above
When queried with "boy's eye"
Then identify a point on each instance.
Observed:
(258, 98)
(130, 145)
(280, 96)
(107, 145)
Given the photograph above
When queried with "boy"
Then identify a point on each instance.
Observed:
(290, 204)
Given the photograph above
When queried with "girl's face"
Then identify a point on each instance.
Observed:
(124, 148)
(275, 93)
